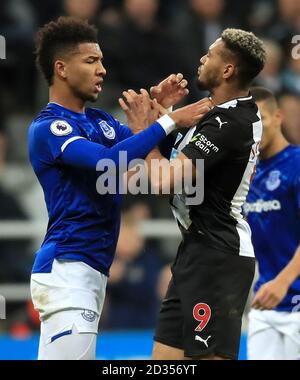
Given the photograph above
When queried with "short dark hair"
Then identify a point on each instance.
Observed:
(58, 38)
(262, 94)
(248, 50)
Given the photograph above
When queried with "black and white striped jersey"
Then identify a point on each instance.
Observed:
(227, 139)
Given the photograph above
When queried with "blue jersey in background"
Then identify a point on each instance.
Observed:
(273, 212)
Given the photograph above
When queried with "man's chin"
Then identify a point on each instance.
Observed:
(202, 86)
(93, 98)
(85, 97)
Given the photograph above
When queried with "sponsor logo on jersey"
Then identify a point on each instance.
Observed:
(204, 144)
(89, 315)
(262, 206)
(221, 123)
(61, 128)
(107, 130)
(273, 182)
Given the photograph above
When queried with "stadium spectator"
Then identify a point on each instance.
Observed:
(141, 57)
(83, 9)
(260, 15)
(196, 29)
(17, 25)
(290, 107)
(286, 24)
(50, 10)
(291, 76)
(270, 76)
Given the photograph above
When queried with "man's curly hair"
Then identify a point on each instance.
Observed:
(58, 39)
(249, 52)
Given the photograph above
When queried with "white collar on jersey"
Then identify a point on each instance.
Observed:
(233, 102)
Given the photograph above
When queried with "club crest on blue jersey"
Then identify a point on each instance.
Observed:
(61, 128)
(273, 182)
(107, 130)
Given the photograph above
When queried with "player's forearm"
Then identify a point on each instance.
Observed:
(85, 154)
(292, 271)
(159, 172)
(168, 177)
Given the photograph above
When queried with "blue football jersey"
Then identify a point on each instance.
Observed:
(273, 212)
(83, 225)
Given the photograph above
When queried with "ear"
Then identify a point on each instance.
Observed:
(278, 116)
(60, 69)
(228, 71)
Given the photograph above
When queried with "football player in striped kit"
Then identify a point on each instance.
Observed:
(201, 314)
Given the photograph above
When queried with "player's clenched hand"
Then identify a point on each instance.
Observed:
(170, 91)
(192, 113)
(141, 111)
(269, 295)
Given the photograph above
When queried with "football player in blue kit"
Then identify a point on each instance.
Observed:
(273, 212)
(66, 141)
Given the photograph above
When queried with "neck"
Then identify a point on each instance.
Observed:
(274, 148)
(224, 94)
(65, 98)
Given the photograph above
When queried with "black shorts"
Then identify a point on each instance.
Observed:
(202, 310)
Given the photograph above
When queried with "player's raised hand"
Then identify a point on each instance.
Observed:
(170, 91)
(140, 109)
(270, 295)
(191, 114)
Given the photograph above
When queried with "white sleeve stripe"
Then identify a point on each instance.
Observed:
(70, 141)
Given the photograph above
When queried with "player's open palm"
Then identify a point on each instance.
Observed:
(140, 109)
(269, 295)
(191, 114)
(170, 91)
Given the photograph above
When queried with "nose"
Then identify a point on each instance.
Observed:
(101, 70)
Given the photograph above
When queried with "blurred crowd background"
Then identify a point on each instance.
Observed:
(143, 41)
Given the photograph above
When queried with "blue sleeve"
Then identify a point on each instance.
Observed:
(85, 154)
(123, 132)
(48, 137)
